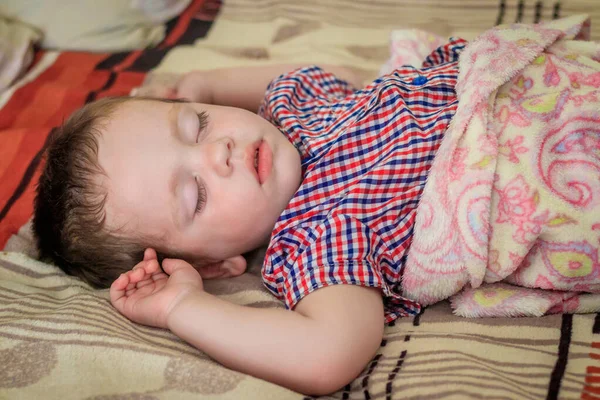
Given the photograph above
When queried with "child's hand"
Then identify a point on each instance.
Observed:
(147, 295)
(161, 85)
(193, 86)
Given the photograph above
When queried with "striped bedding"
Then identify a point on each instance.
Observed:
(60, 339)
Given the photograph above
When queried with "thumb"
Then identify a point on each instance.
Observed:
(150, 254)
(170, 265)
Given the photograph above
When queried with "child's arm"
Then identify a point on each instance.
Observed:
(316, 349)
(244, 87)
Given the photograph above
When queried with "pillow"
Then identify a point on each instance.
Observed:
(16, 50)
(107, 25)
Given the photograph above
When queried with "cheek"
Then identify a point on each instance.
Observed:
(290, 171)
(240, 203)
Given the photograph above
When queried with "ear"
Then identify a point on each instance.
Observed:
(228, 268)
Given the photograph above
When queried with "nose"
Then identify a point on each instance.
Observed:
(218, 156)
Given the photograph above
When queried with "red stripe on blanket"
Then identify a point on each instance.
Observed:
(30, 114)
(35, 104)
(592, 378)
(182, 23)
(19, 213)
(591, 389)
(586, 396)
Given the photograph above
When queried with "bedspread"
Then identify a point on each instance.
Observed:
(61, 339)
(511, 209)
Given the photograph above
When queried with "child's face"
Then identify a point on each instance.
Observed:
(156, 156)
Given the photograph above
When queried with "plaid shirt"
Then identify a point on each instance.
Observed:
(365, 158)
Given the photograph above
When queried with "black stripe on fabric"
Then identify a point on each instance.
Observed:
(113, 60)
(563, 356)
(417, 319)
(29, 172)
(520, 8)
(112, 77)
(392, 376)
(196, 29)
(148, 60)
(556, 11)
(501, 11)
(596, 327)
(365, 381)
(171, 24)
(538, 12)
(346, 393)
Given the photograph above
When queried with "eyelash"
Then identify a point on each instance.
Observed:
(201, 196)
(203, 121)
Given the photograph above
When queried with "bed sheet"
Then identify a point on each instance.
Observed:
(60, 339)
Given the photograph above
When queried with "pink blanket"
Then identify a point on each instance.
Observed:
(509, 220)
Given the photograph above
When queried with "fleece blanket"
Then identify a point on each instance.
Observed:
(510, 214)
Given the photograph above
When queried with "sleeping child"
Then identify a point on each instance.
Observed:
(327, 174)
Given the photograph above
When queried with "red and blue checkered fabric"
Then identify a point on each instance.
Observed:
(365, 158)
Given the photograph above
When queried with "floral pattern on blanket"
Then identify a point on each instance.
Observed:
(511, 209)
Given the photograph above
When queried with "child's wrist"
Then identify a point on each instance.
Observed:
(181, 307)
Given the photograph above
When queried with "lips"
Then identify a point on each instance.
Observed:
(259, 160)
(265, 162)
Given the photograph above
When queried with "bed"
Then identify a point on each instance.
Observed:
(61, 339)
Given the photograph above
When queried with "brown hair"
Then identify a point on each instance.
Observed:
(69, 216)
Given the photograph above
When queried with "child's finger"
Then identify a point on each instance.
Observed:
(117, 289)
(137, 274)
(171, 265)
(151, 267)
(143, 283)
(161, 276)
(120, 283)
(150, 254)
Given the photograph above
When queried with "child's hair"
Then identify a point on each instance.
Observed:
(69, 209)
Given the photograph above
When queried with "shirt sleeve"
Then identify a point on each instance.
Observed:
(446, 53)
(341, 250)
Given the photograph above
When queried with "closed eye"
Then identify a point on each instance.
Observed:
(202, 122)
(201, 196)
